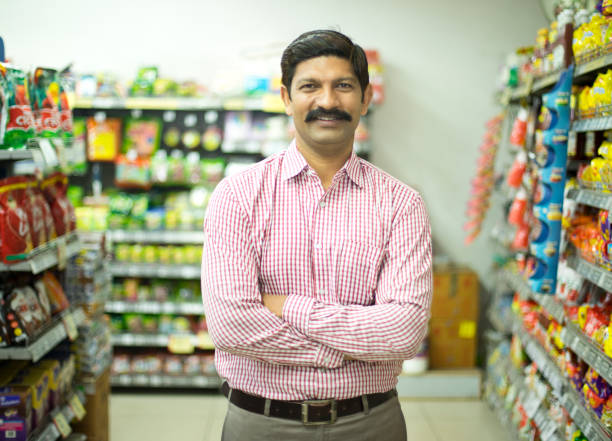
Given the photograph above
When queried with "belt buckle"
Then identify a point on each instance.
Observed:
(333, 412)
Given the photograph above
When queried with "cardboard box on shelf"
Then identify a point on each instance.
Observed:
(455, 293)
(452, 343)
(95, 423)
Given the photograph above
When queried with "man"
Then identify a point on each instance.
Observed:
(316, 273)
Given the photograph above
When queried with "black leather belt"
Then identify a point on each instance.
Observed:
(310, 412)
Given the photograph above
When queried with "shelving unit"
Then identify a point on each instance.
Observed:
(46, 256)
(120, 307)
(166, 381)
(158, 270)
(200, 341)
(50, 432)
(599, 276)
(162, 237)
(46, 341)
(584, 347)
(591, 197)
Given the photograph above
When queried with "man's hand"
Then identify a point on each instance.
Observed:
(274, 303)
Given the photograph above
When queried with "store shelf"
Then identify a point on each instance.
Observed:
(164, 237)
(593, 65)
(157, 270)
(545, 82)
(592, 124)
(46, 256)
(585, 419)
(120, 307)
(50, 431)
(546, 366)
(582, 345)
(201, 341)
(165, 381)
(599, 276)
(267, 103)
(46, 342)
(15, 155)
(548, 302)
(591, 197)
(521, 92)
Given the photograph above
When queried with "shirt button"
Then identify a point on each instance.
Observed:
(322, 292)
(317, 246)
(322, 204)
(327, 360)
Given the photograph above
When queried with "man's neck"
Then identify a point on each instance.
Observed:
(326, 166)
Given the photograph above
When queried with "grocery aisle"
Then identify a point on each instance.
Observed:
(191, 418)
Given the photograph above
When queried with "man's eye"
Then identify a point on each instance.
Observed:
(345, 85)
(307, 86)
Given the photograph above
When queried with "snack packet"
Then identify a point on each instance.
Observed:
(16, 120)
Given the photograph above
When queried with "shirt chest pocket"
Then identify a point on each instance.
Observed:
(356, 266)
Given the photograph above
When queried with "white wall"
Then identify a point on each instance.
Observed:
(441, 59)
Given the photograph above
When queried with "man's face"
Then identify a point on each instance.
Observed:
(326, 103)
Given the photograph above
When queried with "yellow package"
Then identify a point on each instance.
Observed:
(578, 40)
(583, 101)
(553, 34)
(598, 90)
(542, 38)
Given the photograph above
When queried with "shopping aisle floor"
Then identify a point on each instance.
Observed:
(200, 418)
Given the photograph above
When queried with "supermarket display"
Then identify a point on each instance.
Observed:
(552, 380)
(40, 390)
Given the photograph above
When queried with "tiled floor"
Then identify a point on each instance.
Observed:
(200, 418)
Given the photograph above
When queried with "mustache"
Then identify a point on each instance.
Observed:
(331, 113)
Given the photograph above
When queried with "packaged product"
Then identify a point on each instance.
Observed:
(134, 323)
(55, 292)
(16, 413)
(173, 365)
(45, 99)
(54, 189)
(121, 364)
(17, 120)
(66, 121)
(38, 382)
(43, 299)
(5, 330)
(130, 289)
(103, 139)
(192, 365)
(133, 172)
(145, 79)
(149, 324)
(142, 137)
(15, 236)
(37, 211)
(23, 316)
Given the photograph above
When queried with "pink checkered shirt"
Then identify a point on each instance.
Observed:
(355, 261)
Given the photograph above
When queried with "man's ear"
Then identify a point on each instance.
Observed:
(367, 98)
(286, 100)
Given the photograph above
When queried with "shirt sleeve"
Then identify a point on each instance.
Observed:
(392, 328)
(237, 321)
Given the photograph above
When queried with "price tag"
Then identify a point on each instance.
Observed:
(180, 344)
(71, 327)
(548, 431)
(204, 341)
(62, 252)
(606, 281)
(77, 407)
(531, 404)
(48, 153)
(62, 425)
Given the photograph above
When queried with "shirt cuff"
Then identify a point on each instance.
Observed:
(297, 310)
(329, 358)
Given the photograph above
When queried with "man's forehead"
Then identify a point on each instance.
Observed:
(325, 65)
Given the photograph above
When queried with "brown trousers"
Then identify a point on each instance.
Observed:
(383, 423)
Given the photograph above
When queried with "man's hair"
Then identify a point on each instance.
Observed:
(324, 43)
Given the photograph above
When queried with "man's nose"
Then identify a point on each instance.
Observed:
(328, 99)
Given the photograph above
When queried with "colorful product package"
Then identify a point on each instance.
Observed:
(15, 237)
(57, 298)
(17, 120)
(142, 136)
(65, 112)
(34, 211)
(45, 99)
(103, 139)
(15, 413)
(38, 382)
(133, 173)
(54, 188)
(21, 318)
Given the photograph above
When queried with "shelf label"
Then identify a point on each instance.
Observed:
(70, 326)
(548, 431)
(180, 344)
(532, 403)
(62, 425)
(48, 153)
(77, 407)
(62, 252)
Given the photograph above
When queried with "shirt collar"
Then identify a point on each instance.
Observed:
(295, 163)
